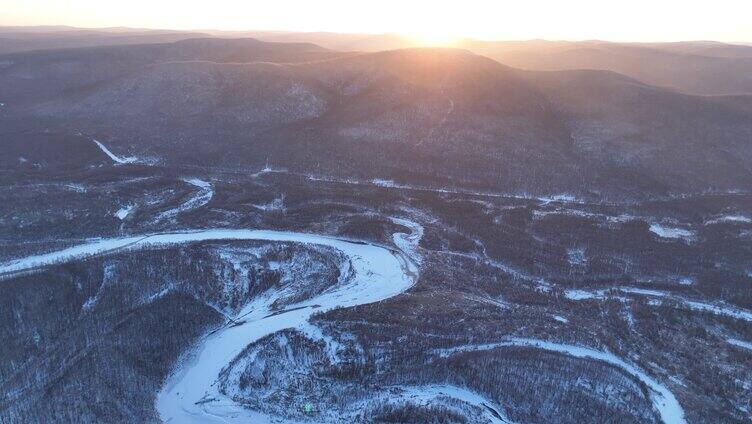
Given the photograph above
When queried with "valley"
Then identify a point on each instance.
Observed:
(205, 229)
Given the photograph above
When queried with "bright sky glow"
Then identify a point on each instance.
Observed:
(435, 22)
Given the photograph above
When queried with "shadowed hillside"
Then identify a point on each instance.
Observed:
(416, 115)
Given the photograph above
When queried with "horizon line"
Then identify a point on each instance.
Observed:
(365, 33)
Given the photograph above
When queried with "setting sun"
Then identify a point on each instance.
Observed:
(433, 38)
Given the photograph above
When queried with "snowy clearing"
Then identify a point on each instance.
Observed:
(671, 232)
(582, 294)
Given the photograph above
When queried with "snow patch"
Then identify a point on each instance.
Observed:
(563, 198)
(740, 343)
(162, 293)
(643, 292)
(686, 281)
(90, 302)
(671, 232)
(581, 294)
(313, 332)
(576, 257)
(384, 183)
(78, 188)
(117, 159)
(721, 310)
(199, 183)
(560, 319)
(200, 199)
(678, 301)
(277, 204)
(123, 212)
(740, 219)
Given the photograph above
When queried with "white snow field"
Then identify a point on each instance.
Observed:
(115, 158)
(663, 400)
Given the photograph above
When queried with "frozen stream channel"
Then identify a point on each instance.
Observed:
(190, 394)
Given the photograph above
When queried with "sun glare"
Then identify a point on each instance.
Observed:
(433, 38)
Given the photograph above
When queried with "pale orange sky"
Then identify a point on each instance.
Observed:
(620, 20)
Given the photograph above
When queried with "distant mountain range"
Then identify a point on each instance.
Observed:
(695, 67)
(444, 116)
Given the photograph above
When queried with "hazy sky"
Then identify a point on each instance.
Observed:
(635, 20)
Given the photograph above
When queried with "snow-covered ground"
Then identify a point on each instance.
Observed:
(605, 218)
(199, 183)
(564, 198)
(78, 188)
(671, 232)
(431, 394)
(115, 158)
(190, 395)
(678, 301)
(575, 294)
(560, 319)
(123, 212)
(739, 219)
(277, 204)
(722, 310)
(663, 400)
(740, 343)
(386, 183)
(408, 243)
(202, 197)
